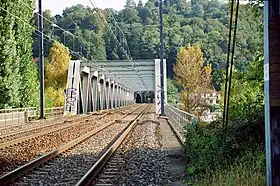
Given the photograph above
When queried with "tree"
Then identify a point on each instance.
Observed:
(29, 84)
(172, 92)
(18, 73)
(56, 72)
(191, 74)
(144, 14)
(56, 66)
(9, 60)
(49, 30)
(130, 4)
(247, 96)
(140, 4)
(198, 10)
(111, 45)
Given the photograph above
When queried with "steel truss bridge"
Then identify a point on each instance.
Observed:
(93, 86)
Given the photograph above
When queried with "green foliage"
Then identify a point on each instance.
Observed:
(209, 148)
(29, 84)
(234, 156)
(172, 92)
(9, 60)
(18, 75)
(247, 171)
(185, 22)
(247, 96)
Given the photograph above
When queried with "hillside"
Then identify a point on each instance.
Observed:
(199, 21)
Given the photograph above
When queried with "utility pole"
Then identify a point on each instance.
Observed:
(161, 60)
(41, 65)
(271, 90)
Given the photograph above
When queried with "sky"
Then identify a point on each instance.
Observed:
(56, 6)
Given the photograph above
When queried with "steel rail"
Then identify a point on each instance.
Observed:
(38, 127)
(51, 119)
(97, 167)
(32, 136)
(26, 138)
(11, 176)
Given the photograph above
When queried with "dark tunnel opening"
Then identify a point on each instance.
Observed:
(144, 97)
(138, 99)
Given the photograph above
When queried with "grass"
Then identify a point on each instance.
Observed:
(249, 170)
(237, 159)
(238, 175)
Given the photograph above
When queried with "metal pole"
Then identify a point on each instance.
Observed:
(161, 60)
(41, 53)
(266, 93)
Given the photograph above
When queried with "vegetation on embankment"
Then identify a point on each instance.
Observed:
(233, 155)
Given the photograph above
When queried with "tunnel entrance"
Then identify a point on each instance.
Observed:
(144, 97)
(138, 99)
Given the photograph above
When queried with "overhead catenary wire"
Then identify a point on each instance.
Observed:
(65, 31)
(231, 64)
(228, 84)
(52, 23)
(100, 16)
(119, 41)
(52, 40)
(227, 64)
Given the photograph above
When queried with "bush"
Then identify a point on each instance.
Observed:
(54, 97)
(210, 150)
(247, 171)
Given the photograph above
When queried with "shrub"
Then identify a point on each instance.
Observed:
(54, 97)
(249, 170)
(209, 148)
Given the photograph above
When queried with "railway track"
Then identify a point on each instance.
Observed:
(67, 164)
(26, 134)
(24, 151)
(109, 169)
(34, 126)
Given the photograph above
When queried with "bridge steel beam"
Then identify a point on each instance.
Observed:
(101, 91)
(107, 92)
(122, 96)
(85, 87)
(119, 95)
(112, 87)
(115, 95)
(108, 84)
(94, 91)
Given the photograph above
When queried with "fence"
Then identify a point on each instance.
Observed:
(19, 116)
(179, 119)
(54, 112)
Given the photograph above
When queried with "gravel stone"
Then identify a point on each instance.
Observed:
(17, 155)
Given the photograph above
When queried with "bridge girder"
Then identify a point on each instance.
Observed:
(109, 84)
